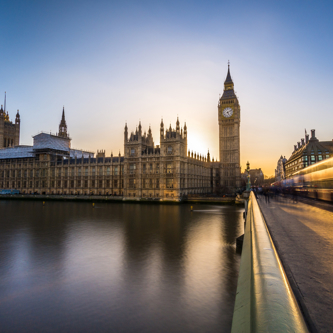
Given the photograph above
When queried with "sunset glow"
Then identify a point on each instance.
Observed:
(109, 63)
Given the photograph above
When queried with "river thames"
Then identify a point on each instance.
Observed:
(118, 267)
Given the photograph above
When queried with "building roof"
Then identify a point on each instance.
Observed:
(228, 94)
(16, 152)
(80, 153)
(313, 146)
(228, 78)
(228, 87)
(49, 141)
(328, 145)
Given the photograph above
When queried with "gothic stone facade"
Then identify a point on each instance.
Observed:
(165, 172)
(280, 172)
(9, 131)
(307, 152)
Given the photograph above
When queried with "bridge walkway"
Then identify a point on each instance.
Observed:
(303, 236)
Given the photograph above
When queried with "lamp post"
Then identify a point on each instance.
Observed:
(248, 185)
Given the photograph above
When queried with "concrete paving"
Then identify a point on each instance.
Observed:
(303, 236)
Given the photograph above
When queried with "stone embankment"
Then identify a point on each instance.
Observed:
(104, 198)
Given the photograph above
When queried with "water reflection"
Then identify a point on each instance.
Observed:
(117, 267)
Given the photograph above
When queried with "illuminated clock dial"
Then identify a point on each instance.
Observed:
(227, 112)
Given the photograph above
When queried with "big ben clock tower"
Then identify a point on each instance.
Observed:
(229, 141)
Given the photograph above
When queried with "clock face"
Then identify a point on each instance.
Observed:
(227, 112)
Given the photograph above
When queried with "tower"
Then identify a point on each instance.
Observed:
(63, 126)
(229, 138)
(9, 131)
(17, 129)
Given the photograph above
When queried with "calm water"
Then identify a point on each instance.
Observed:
(68, 267)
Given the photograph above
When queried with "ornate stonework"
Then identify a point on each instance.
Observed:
(168, 171)
(9, 131)
(229, 137)
(146, 171)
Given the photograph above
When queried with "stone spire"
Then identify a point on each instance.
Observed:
(126, 133)
(228, 78)
(162, 130)
(140, 128)
(63, 125)
(228, 86)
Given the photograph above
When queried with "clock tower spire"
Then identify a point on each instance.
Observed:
(228, 85)
(229, 137)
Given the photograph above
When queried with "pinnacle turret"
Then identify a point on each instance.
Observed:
(17, 118)
(126, 133)
(63, 125)
(177, 125)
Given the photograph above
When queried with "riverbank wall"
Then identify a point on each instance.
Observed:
(118, 199)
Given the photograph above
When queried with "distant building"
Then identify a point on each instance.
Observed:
(256, 177)
(165, 172)
(280, 172)
(307, 152)
(9, 131)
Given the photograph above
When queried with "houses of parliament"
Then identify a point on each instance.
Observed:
(169, 171)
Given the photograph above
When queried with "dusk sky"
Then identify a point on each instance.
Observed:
(110, 62)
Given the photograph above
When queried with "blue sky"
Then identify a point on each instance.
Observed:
(109, 62)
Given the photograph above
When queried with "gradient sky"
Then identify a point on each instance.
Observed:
(109, 62)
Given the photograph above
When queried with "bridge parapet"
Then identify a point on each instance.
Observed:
(264, 299)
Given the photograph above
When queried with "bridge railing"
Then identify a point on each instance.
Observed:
(264, 300)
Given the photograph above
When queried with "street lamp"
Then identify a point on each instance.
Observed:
(248, 185)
